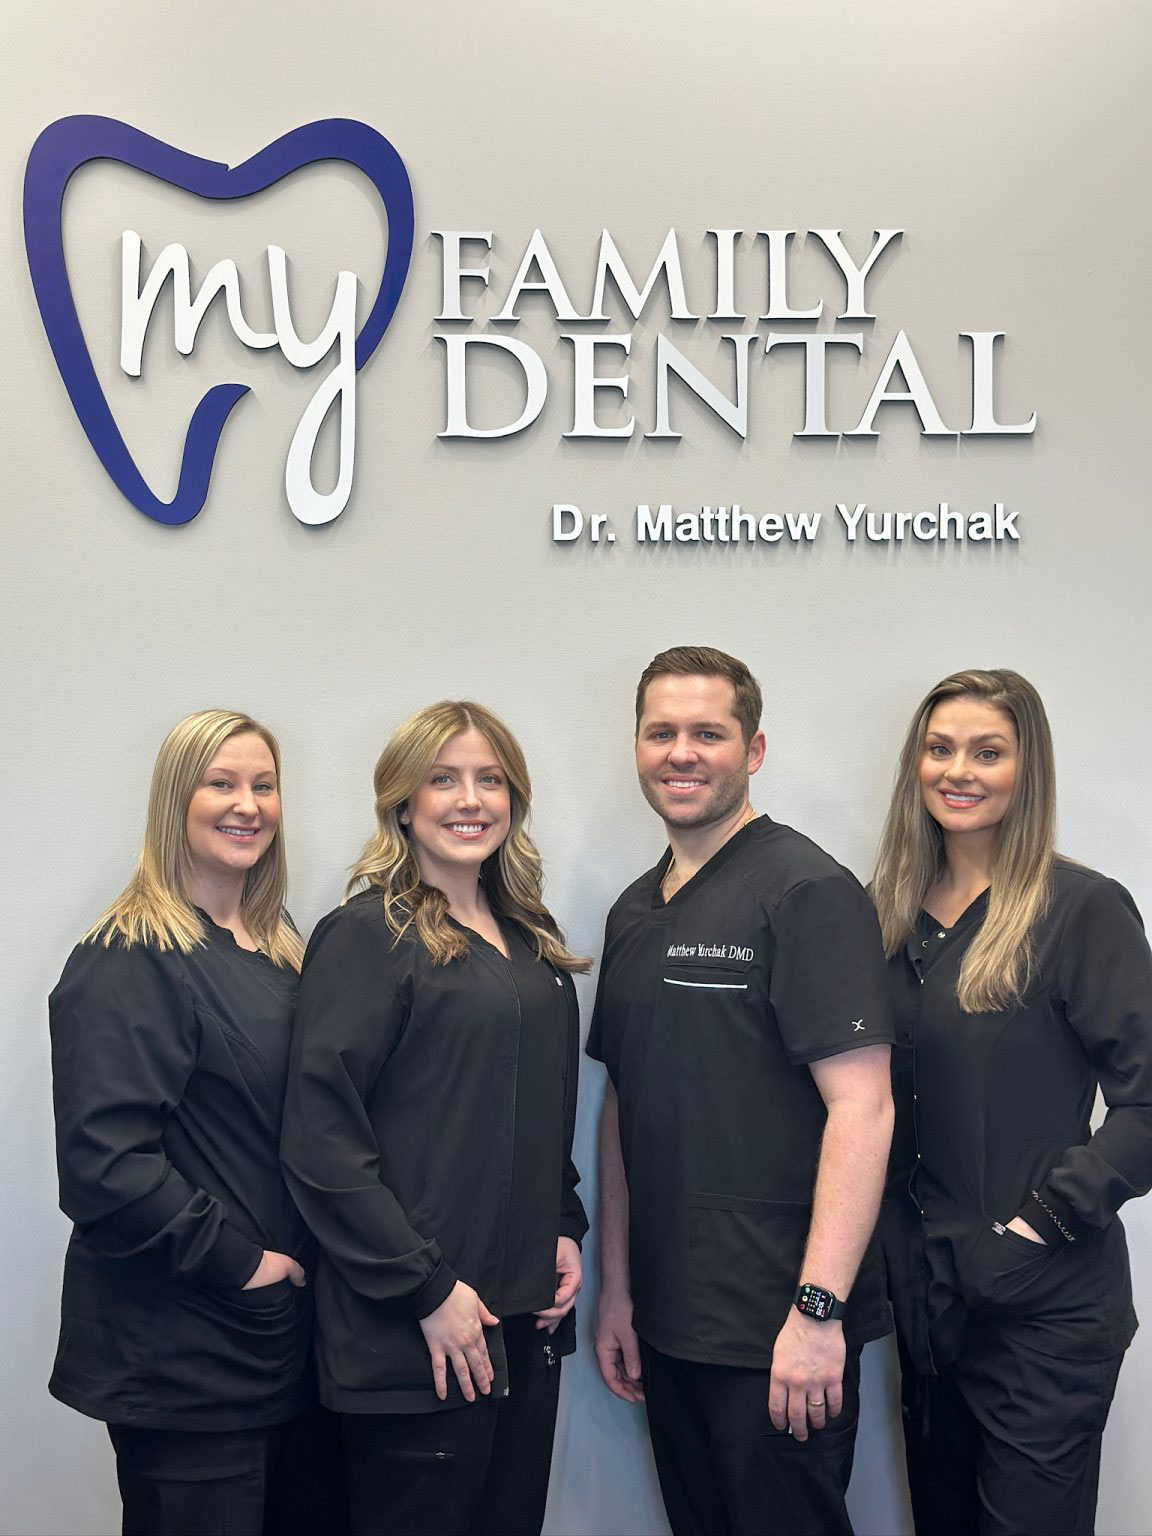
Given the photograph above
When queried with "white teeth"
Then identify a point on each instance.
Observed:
(466, 828)
(683, 783)
(964, 799)
(237, 831)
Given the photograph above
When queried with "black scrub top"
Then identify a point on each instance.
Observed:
(168, 1077)
(427, 1138)
(709, 1010)
(993, 1110)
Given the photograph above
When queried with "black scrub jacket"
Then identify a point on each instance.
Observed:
(991, 1107)
(427, 1138)
(710, 1008)
(168, 1076)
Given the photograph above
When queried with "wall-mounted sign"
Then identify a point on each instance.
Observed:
(896, 380)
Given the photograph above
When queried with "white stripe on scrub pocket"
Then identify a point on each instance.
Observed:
(712, 986)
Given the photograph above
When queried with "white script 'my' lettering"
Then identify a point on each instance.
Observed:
(138, 300)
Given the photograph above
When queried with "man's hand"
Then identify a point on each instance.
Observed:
(618, 1348)
(807, 1386)
(569, 1278)
(455, 1333)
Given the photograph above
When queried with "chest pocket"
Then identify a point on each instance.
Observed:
(706, 979)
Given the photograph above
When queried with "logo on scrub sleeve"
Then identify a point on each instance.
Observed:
(66, 145)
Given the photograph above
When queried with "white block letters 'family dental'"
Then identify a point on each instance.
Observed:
(339, 333)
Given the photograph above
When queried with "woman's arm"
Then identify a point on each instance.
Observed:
(349, 1018)
(573, 1219)
(1104, 976)
(124, 1044)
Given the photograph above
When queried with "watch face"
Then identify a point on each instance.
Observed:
(815, 1302)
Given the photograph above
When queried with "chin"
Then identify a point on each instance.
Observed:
(690, 815)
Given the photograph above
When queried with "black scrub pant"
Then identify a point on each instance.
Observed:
(726, 1471)
(479, 1470)
(1006, 1441)
(282, 1481)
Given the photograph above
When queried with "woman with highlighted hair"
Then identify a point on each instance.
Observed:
(427, 1139)
(183, 1323)
(1022, 982)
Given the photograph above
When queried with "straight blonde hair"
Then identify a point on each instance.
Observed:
(154, 907)
(513, 878)
(1000, 961)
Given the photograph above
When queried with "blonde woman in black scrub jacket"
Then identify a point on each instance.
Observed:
(1022, 982)
(427, 1139)
(182, 1323)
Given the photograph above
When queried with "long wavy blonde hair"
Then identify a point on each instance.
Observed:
(154, 907)
(513, 879)
(1000, 961)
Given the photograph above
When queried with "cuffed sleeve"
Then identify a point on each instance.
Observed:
(352, 1012)
(434, 1292)
(1045, 1223)
(124, 1044)
(1104, 979)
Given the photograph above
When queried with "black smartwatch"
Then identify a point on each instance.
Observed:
(814, 1301)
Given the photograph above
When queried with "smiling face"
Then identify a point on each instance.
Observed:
(968, 766)
(234, 811)
(691, 756)
(461, 811)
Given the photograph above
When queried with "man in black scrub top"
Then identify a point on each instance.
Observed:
(742, 1017)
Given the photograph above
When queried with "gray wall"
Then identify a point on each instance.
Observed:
(1011, 145)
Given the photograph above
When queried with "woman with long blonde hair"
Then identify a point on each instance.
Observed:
(427, 1140)
(1022, 982)
(183, 1326)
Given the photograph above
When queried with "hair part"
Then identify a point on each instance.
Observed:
(1000, 961)
(513, 877)
(706, 661)
(155, 906)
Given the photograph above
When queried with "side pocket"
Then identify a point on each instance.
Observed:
(265, 1297)
(743, 1251)
(1003, 1267)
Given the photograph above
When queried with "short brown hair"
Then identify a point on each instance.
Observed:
(706, 661)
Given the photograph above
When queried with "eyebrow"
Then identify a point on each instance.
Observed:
(269, 773)
(455, 768)
(696, 725)
(985, 736)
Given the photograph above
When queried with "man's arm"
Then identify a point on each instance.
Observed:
(808, 1355)
(617, 1347)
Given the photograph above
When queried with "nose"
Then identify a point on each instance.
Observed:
(467, 796)
(683, 750)
(958, 768)
(245, 801)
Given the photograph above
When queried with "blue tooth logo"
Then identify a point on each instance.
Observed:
(72, 141)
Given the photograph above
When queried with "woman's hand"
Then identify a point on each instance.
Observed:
(1021, 1227)
(274, 1267)
(455, 1332)
(569, 1279)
